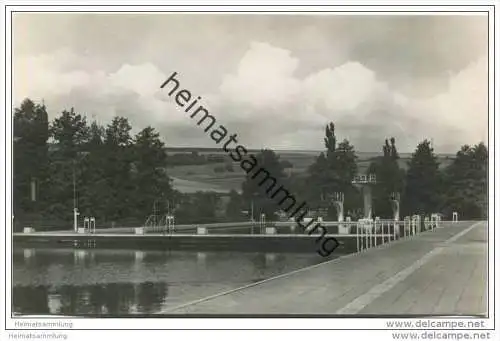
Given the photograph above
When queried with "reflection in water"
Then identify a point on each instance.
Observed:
(110, 298)
(201, 258)
(139, 256)
(54, 303)
(28, 253)
(270, 258)
(117, 282)
(79, 256)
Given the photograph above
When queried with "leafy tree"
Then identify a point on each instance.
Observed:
(345, 164)
(260, 194)
(390, 179)
(118, 132)
(71, 132)
(96, 136)
(117, 169)
(320, 179)
(31, 133)
(466, 183)
(333, 171)
(330, 139)
(151, 179)
(93, 188)
(197, 208)
(423, 182)
(235, 207)
(481, 160)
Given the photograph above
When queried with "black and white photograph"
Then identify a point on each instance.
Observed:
(190, 163)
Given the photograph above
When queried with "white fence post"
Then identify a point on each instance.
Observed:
(357, 237)
(407, 226)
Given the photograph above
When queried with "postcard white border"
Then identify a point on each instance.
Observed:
(244, 323)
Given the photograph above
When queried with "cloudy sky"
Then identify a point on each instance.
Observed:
(275, 80)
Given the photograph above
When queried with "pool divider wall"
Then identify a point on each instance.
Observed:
(270, 240)
(210, 242)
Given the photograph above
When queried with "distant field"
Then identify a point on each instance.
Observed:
(192, 178)
(190, 186)
(186, 178)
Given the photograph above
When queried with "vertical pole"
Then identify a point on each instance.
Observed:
(75, 210)
(155, 224)
(362, 237)
(74, 186)
(373, 234)
(33, 189)
(389, 229)
(75, 219)
(357, 237)
(167, 219)
(366, 237)
(368, 242)
(370, 235)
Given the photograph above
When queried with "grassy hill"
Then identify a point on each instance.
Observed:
(192, 178)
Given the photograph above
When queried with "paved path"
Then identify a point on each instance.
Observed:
(438, 272)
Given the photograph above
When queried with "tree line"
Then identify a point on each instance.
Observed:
(422, 188)
(103, 170)
(118, 177)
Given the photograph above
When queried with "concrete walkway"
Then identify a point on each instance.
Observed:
(438, 272)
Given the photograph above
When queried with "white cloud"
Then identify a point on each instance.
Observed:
(264, 78)
(266, 102)
(350, 94)
(459, 115)
(342, 88)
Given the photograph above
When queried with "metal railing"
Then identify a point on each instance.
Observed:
(372, 233)
(160, 224)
